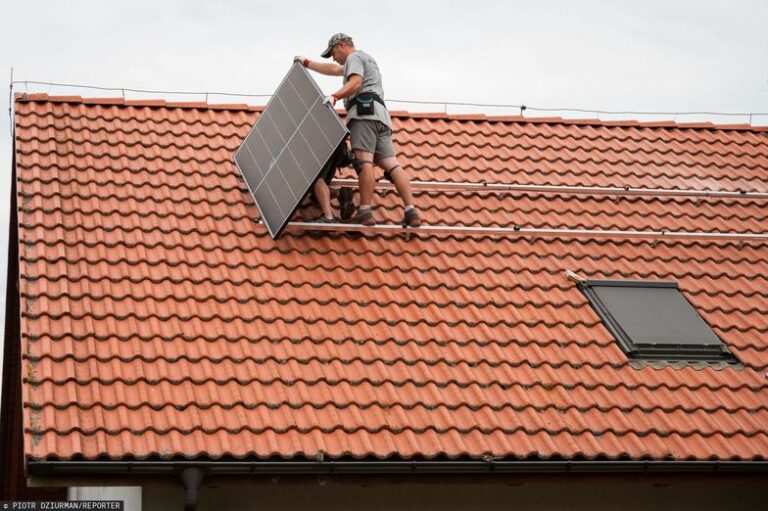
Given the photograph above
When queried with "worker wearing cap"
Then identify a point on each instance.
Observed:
(368, 122)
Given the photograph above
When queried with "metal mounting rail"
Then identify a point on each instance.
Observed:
(524, 231)
(578, 190)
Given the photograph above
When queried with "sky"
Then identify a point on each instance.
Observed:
(638, 56)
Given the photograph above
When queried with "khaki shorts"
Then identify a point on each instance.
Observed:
(372, 137)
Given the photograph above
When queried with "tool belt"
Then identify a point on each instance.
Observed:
(364, 102)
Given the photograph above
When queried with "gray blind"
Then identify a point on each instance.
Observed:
(656, 315)
(654, 320)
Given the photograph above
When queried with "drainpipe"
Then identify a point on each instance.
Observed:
(191, 478)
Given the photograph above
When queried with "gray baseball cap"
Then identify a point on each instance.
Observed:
(333, 41)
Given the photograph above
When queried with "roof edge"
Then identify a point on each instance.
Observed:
(403, 114)
(60, 468)
(21, 97)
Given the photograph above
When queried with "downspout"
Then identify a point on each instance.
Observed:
(191, 478)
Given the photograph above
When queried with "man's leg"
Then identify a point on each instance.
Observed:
(323, 194)
(366, 178)
(395, 173)
(363, 135)
(367, 182)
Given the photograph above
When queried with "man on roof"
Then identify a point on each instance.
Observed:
(369, 124)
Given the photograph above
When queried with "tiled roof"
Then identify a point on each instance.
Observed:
(160, 319)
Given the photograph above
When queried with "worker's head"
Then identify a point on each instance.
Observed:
(339, 47)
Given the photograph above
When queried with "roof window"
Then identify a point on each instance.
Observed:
(652, 320)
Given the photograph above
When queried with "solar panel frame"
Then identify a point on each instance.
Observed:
(284, 140)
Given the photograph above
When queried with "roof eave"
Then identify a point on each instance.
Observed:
(104, 468)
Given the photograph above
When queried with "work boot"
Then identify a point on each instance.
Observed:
(322, 219)
(365, 217)
(412, 218)
(346, 206)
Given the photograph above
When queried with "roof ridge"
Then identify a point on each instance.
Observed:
(478, 117)
(120, 101)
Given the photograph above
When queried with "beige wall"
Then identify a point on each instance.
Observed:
(540, 493)
(129, 495)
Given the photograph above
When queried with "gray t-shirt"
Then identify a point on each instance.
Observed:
(360, 63)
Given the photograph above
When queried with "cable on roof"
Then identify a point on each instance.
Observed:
(144, 91)
(609, 112)
(571, 109)
(445, 104)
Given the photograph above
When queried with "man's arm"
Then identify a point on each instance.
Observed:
(325, 68)
(354, 84)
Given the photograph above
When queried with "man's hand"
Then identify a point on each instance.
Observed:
(301, 60)
(330, 100)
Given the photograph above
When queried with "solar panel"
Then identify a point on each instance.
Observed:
(287, 147)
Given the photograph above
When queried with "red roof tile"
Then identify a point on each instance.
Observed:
(159, 318)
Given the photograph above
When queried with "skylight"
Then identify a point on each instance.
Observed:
(652, 320)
